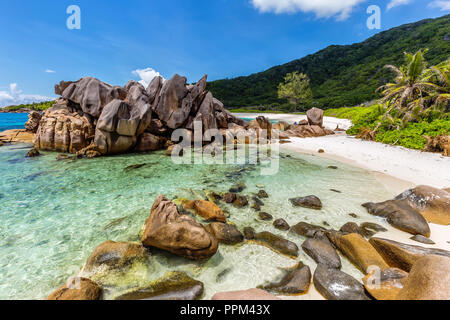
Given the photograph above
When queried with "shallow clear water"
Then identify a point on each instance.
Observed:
(54, 213)
(10, 121)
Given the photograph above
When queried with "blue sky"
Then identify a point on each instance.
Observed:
(223, 38)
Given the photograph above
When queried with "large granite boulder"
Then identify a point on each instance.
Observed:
(64, 128)
(400, 215)
(167, 229)
(90, 94)
(315, 117)
(78, 289)
(432, 203)
(17, 135)
(429, 279)
(305, 229)
(337, 285)
(113, 120)
(358, 250)
(32, 124)
(403, 256)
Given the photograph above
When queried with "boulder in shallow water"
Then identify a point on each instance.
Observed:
(172, 286)
(322, 252)
(403, 256)
(240, 202)
(337, 285)
(281, 224)
(167, 229)
(245, 295)
(305, 229)
(311, 202)
(33, 153)
(225, 233)
(432, 203)
(229, 197)
(400, 215)
(264, 216)
(249, 233)
(78, 289)
(429, 279)
(206, 209)
(358, 250)
(276, 243)
(369, 229)
(116, 255)
(295, 281)
(385, 284)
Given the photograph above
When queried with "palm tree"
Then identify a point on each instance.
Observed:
(417, 91)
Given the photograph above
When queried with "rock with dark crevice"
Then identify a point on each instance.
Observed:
(276, 243)
(322, 252)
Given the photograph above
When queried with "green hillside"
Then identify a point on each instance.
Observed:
(341, 75)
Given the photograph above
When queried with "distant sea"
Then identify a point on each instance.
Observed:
(10, 121)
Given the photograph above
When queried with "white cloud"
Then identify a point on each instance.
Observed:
(50, 71)
(322, 8)
(14, 96)
(444, 5)
(396, 3)
(146, 75)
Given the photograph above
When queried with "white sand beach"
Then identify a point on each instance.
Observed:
(408, 167)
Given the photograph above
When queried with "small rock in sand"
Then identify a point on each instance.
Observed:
(422, 239)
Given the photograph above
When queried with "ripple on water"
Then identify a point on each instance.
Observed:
(54, 213)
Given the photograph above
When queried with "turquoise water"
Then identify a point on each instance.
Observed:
(250, 119)
(12, 121)
(54, 213)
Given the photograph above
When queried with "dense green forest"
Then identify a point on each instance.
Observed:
(38, 106)
(341, 75)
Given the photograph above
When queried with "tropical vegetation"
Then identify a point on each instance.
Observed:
(39, 106)
(296, 88)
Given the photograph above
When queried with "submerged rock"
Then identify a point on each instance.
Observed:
(385, 284)
(429, 279)
(432, 203)
(172, 286)
(337, 285)
(281, 224)
(245, 295)
(265, 216)
(229, 197)
(33, 153)
(205, 209)
(240, 202)
(249, 233)
(295, 281)
(115, 255)
(306, 230)
(225, 233)
(311, 202)
(358, 250)
(276, 243)
(166, 229)
(400, 215)
(403, 256)
(262, 194)
(78, 289)
(322, 252)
